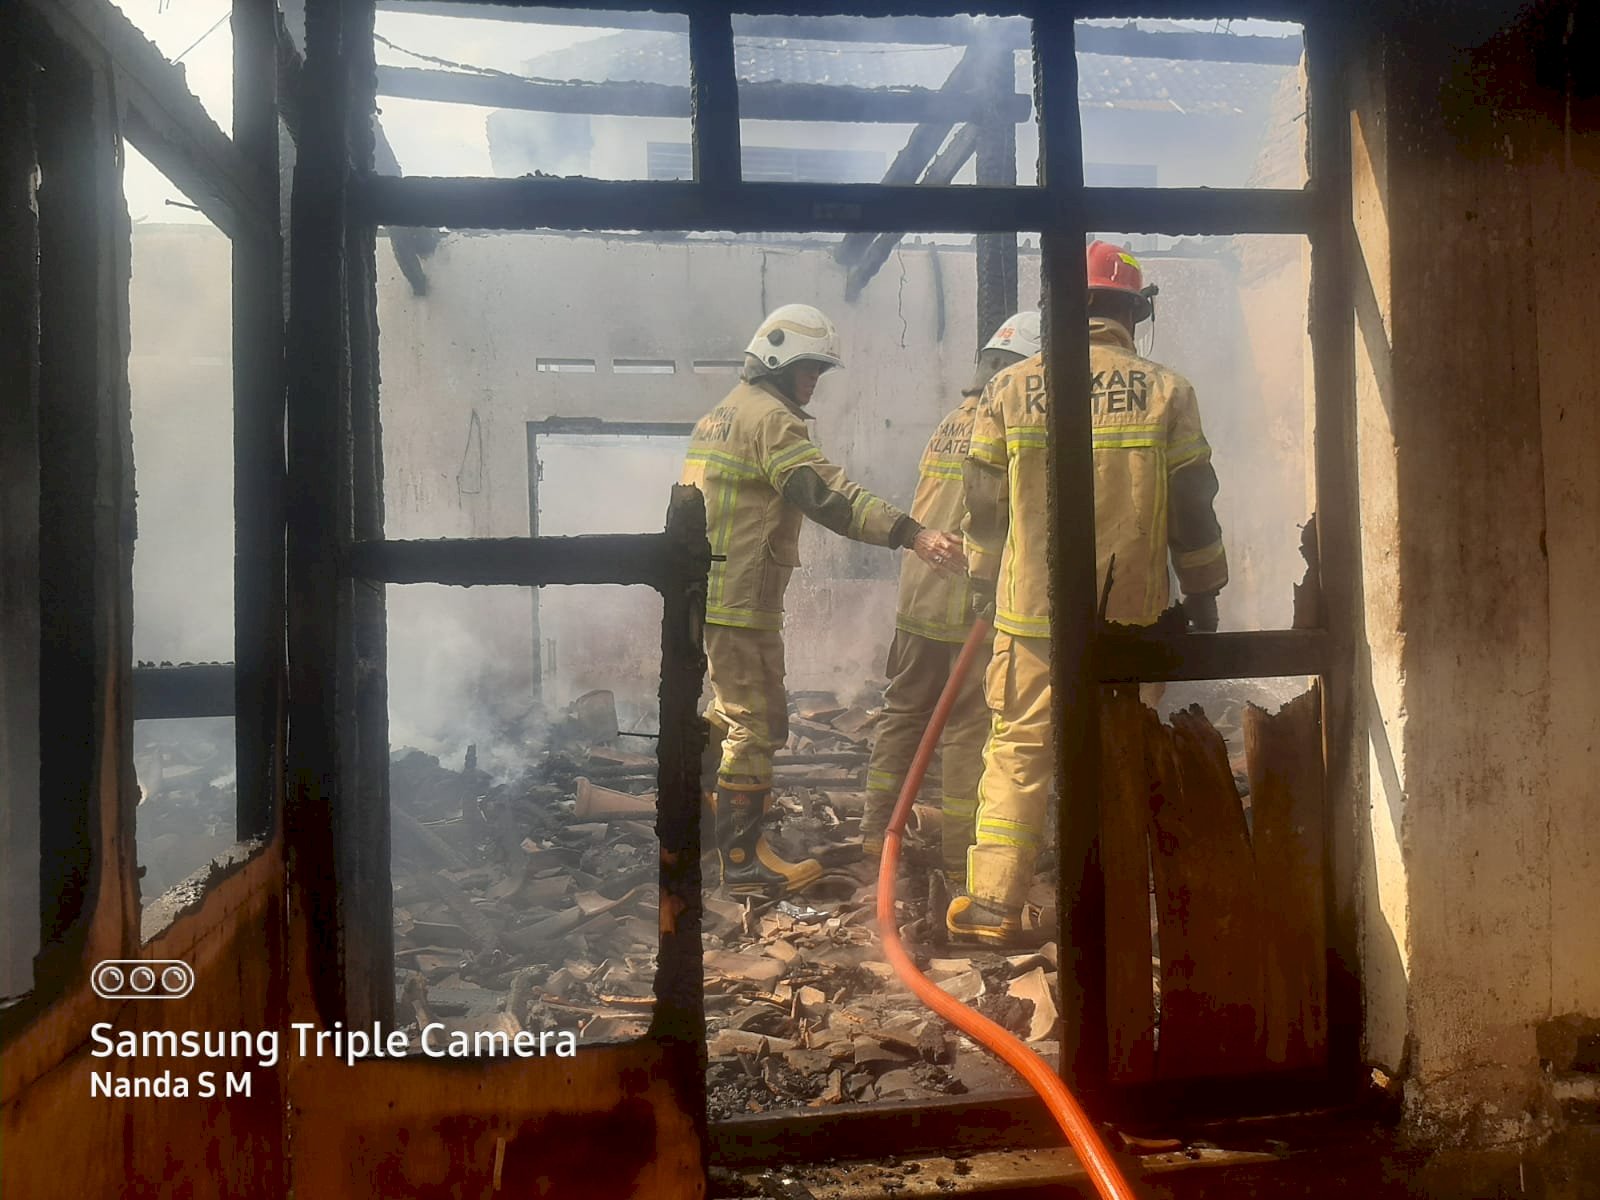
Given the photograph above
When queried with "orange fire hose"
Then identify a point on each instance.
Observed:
(1040, 1076)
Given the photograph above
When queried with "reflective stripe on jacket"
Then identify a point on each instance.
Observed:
(741, 454)
(934, 605)
(1153, 487)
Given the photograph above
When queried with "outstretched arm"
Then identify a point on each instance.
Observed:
(800, 473)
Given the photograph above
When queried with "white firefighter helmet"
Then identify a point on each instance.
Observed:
(1018, 333)
(794, 332)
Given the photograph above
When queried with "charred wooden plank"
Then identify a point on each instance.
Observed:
(20, 679)
(1212, 984)
(85, 502)
(1332, 326)
(629, 558)
(678, 1019)
(191, 690)
(364, 711)
(714, 100)
(756, 101)
(261, 666)
(1075, 690)
(318, 513)
(651, 205)
(1125, 653)
(942, 170)
(1125, 852)
(1284, 752)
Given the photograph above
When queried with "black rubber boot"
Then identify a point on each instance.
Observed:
(750, 864)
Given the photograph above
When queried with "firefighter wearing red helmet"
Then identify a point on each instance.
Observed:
(1154, 504)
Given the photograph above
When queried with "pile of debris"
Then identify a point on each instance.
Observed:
(532, 905)
(801, 1009)
(512, 912)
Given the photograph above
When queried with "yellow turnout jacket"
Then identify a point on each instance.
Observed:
(753, 458)
(1154, 487)
(931, 604)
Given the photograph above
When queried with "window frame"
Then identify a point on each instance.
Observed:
(135, 96)
(350, 205)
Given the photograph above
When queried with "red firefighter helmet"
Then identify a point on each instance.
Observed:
(1114, 270)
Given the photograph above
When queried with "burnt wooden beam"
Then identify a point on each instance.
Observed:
(1125, 654)
(1018, 1121)
(1199, 211)
(20, 679)
(191, 690)
(716, 103)
(85, 496)
(162, 117)
(650, 559)
(318, 517)
(921, 146)
(1241, 1109)
(532, 203)
(1331, 315)
(945, 167)
(679, 1020)
(861, 208)
(258, 407)
(757, 101)
(1075, 685)
(364, 649)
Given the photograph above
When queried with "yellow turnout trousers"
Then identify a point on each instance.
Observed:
(749, 706)
(918, 669)
(1018, 763)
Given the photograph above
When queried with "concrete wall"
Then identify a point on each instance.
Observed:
(1475, 189)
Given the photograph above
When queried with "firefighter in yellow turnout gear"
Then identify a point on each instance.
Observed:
(754, 460)
(1154, 494)
(932, 620)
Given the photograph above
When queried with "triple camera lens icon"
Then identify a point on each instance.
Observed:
(140, 979)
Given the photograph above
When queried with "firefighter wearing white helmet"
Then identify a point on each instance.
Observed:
(932, 618)
(754, 460)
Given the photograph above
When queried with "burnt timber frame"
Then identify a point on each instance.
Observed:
(111, 86)
(1064, 210)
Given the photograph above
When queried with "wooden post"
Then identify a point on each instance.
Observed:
(1075, 686)
(258, 414)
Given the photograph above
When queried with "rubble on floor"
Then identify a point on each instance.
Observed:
(188, 799)
(533, 905)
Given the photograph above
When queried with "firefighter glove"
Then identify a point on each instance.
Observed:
(1200, 608)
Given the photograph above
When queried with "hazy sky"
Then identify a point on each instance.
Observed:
(449, 138)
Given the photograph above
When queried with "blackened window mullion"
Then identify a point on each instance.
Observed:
(19, 520)
(1074, 678)
(80, 560)
(714, 90)
(258, 464)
